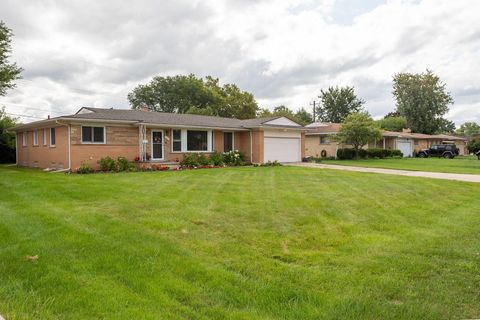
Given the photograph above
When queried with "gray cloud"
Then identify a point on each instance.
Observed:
(94, 52)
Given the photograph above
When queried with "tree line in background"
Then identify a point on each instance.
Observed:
(422, 101)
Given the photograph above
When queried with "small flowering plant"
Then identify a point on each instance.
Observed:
(233, 158)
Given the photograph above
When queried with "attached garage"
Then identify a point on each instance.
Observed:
(405, 146)
(282, 146)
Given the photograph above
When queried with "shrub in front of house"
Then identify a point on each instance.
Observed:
(233, 158)
(217, 159)
(107, 164)
(123, 164)
(372, 153)
(345, 154)
(85, 168)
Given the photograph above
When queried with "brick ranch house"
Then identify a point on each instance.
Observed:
(92, 133)
(317, 140)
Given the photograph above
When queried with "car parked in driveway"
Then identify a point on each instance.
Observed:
(448, 151)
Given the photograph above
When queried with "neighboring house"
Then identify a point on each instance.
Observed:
(92, 133)
(318, 141)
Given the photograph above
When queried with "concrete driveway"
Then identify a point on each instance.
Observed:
(424, 174)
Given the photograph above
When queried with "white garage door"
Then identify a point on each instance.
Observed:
(282, 149)
(405, 147)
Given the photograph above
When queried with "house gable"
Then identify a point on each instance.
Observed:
(281, 121)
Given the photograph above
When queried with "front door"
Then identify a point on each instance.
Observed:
(157, 145)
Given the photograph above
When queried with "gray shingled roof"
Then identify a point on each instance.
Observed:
(169, 118)
(160, 118)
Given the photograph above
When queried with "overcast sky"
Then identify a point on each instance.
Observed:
(92, 53)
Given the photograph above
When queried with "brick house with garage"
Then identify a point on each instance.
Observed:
(318, 141)
(92, 133)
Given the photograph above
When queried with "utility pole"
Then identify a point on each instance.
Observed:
(314, 104)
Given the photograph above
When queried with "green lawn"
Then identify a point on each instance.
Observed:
(465, 164)
(240, 243)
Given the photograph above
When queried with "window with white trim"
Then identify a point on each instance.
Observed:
(52, 137)
(93, 134)
(176, 140)
(44, 136)
(197, 140)
(24, 138)
(186, 140)
(35, 137)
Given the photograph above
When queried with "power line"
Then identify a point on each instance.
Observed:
(78, 90)
(31, 108)
(23, 115)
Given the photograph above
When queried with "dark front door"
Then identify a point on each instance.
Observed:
(227, 141)
(157, 145)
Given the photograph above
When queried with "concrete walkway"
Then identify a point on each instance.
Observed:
(424, 174)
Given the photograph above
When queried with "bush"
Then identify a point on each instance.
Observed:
(271, 164)
(234, 158)
(7, 154)
(349, 153)
(203, 160)
(107, 164)
(473, 146)
(191, 160)
(345, 154)
(85, 168)
(123, 164)
(216, 159)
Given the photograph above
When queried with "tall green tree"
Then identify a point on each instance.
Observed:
(423, 99)
(9, 72)
(7, 139)
(189, 94)
(393, 123)
(304, 116)
(357, 130)
(282, 111)
(336, 103)
(469, 129)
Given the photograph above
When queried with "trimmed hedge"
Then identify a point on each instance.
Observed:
(372, 153)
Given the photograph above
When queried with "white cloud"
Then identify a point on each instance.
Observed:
(94, 52)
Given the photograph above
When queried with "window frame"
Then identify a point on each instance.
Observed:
(44, 136)
(233, 140)
(325, 138)
(54, 135)
(177, 140)
(93, 134)
(25, 139)
(35, 137)
(184, 141)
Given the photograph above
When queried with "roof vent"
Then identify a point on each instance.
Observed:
(407, 130)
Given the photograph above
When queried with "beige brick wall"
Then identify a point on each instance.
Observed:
(257, 146)
(43, 156)
(122, 141)
(314, 148)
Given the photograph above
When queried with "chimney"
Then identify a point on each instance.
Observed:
(48, 117)
(407, 130)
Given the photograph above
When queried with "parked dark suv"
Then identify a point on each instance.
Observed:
(448, 151)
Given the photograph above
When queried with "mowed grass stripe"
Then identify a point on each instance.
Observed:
(240, 243)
